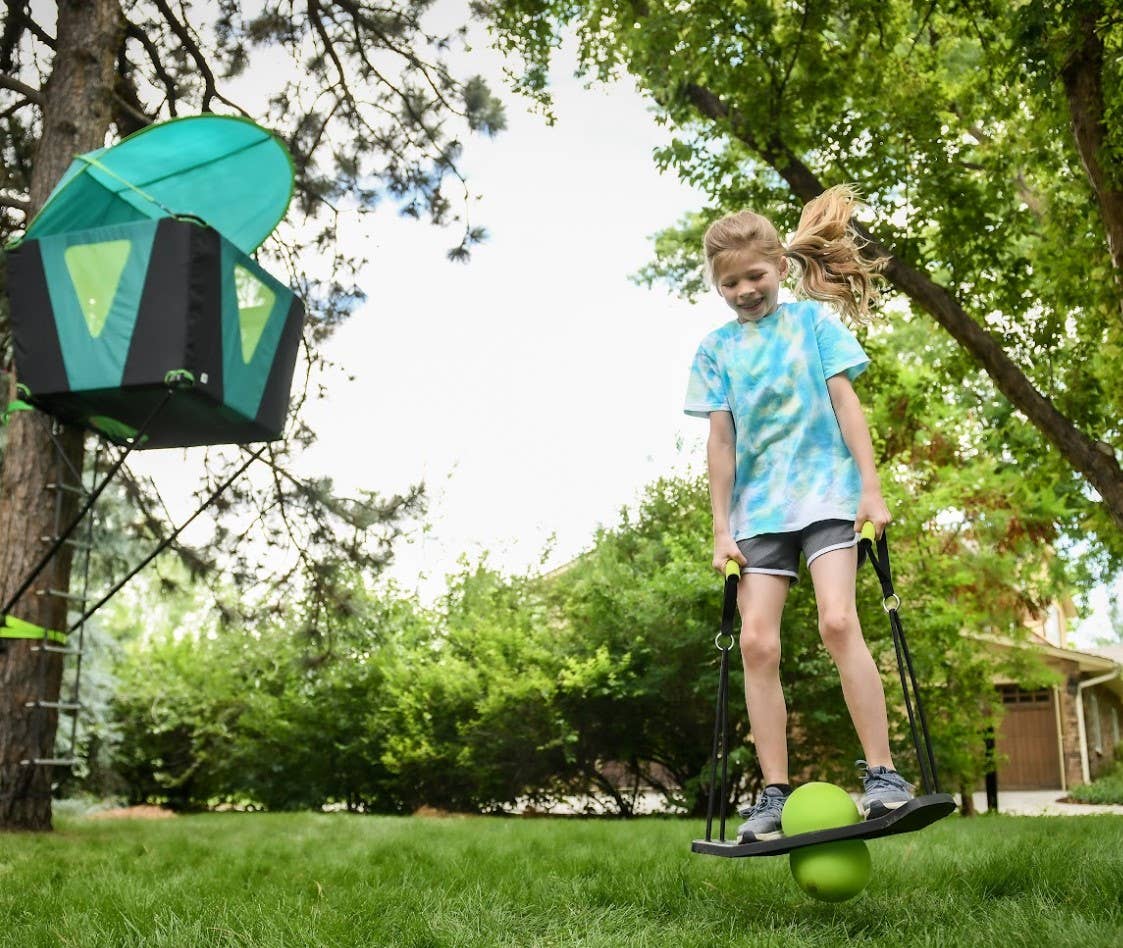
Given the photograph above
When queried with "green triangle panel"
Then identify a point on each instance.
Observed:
(255, 304)
(95, 270)
(254, 309)
(95, 280)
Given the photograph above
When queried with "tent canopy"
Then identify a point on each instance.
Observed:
(227, 171)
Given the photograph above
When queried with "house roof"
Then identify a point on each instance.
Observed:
(1090, 663)
(1113, 652)
(1086, 660)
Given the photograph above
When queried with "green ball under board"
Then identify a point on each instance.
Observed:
(832, 872)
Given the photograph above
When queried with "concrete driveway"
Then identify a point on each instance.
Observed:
(1040, 803)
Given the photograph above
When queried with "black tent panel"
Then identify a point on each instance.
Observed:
(204, 335)
(36, 344)
(160, 335)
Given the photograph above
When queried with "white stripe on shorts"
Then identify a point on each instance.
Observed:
(828, 549)
(769, 572)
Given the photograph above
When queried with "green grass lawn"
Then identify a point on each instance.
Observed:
(335, 879)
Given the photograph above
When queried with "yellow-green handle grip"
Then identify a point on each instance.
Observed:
(732, 568)
(868, 531)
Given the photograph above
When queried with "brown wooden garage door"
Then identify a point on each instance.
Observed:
(1028, 741)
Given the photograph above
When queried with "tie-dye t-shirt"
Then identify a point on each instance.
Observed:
(793, 467)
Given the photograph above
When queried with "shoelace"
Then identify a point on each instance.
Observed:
(882, 780)
(764, 804)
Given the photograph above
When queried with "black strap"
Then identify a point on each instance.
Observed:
(719, 793)
(914, 708)
(879, 562)
(168, 540)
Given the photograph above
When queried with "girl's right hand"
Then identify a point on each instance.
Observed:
(725, 549)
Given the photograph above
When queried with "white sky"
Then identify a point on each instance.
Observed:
(535, 390)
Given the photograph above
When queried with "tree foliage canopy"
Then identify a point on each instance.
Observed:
(593, 682)
(986, 137)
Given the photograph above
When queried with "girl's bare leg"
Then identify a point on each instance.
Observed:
(833, 575)
(760, 600)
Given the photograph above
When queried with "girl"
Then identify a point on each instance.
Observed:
(791, 469)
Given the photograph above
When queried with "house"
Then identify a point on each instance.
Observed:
(1068, 733)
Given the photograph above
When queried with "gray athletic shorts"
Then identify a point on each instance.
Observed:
(778, 553)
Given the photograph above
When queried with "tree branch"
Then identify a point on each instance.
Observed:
(28, 92)
(795, 55)
(18, 203)
(14, 108)
(1100, 468)
(210, 89)
(158, 528)
(128, 112)
(1029, 197)
(13, 30)
(132, 31)
(17, 21)
(31, 25)
(359, 18)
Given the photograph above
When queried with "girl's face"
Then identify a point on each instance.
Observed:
(750, 283)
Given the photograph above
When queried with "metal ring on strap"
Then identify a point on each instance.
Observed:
(724, 648)
(885, 603)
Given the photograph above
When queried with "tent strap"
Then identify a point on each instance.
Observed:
(116, 177)
(13, 628)
(62, 537)
(170, 539)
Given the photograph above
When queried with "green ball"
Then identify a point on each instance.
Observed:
(818, 806)
(832, 872)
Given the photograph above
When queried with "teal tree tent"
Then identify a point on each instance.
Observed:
(136, 274)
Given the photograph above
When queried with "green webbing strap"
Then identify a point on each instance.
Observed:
(18, 405)
(116, 177)
(179, 378)
(13, 628)
(22, 402)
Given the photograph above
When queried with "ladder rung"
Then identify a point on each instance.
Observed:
(75, 544)
(68, 488)
(72, 597)
(57, 649)
(50, 761)
(60, 705)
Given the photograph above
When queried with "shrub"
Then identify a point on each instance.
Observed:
(1108, 788)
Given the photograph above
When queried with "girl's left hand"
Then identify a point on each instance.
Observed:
(871, 507)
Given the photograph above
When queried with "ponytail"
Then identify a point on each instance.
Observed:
(827, 252)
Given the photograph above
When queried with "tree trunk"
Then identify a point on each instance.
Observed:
(76, 115)
(1095, 460)
(1082, 75)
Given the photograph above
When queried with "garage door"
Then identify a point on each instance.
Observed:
(1027, 739)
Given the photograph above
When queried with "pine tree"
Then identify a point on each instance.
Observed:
(369, 110)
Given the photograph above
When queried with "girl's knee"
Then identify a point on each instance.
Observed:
(760, 645)
(839, 627)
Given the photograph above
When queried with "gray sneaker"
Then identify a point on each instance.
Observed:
(885, 790)
(763, 817)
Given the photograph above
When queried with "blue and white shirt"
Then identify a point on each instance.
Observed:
(793, 467)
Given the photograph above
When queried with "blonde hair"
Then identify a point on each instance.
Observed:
(825, 248)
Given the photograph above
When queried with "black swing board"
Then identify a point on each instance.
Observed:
(914, 815)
